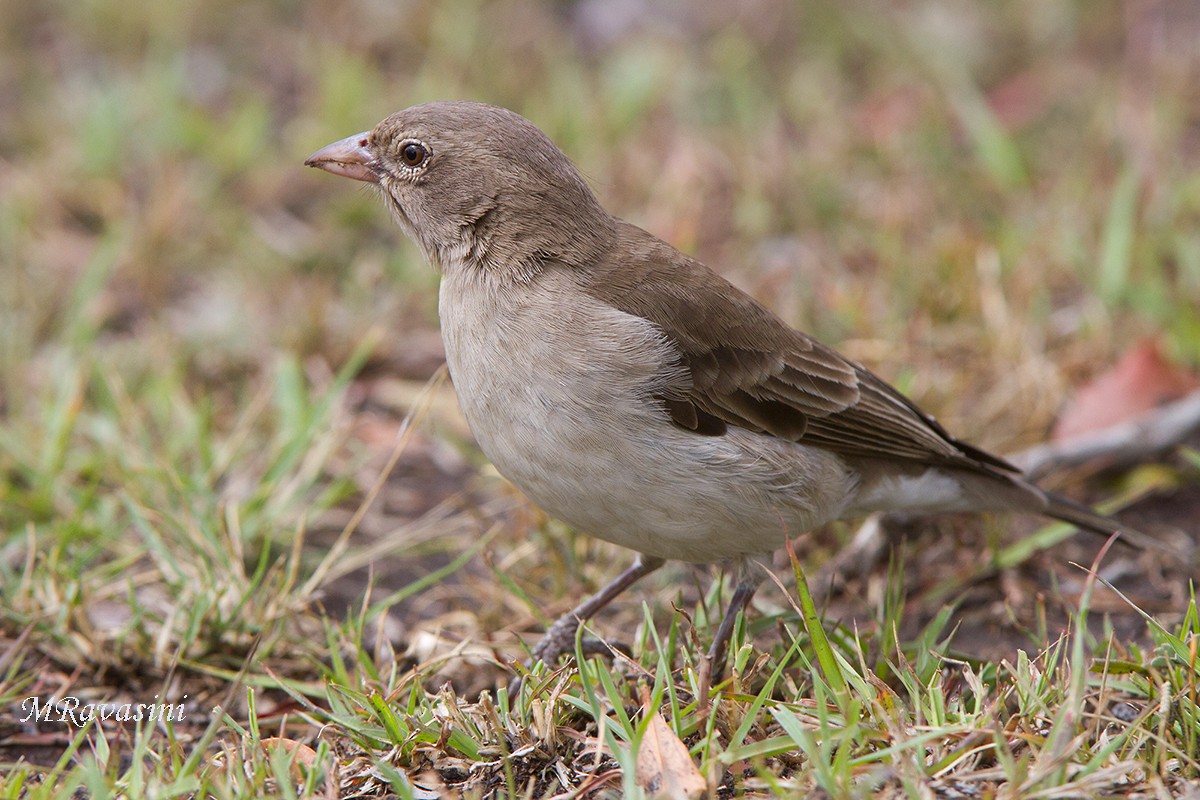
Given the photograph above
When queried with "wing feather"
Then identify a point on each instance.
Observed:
(745, 367)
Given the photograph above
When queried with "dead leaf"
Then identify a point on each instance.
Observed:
(302, 754)
(664, 766)
(1140, 381)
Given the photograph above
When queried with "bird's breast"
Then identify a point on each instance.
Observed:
(559, 390)
(548, 376)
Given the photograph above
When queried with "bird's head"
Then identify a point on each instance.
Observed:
(475, 186)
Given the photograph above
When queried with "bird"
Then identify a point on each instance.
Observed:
(631, 391)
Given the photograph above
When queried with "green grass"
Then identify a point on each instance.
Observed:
(230, 476)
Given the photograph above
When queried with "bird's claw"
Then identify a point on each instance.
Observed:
(559, 640)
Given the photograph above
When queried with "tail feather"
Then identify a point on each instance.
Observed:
(1086, 519)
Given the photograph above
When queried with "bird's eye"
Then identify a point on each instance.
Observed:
(413, 154)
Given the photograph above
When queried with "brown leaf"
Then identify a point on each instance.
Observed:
(664, 766)
(1140, 381)
(302, 754)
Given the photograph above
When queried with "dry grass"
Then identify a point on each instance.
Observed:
(207, 357)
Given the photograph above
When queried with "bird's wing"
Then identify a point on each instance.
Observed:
(750, 369)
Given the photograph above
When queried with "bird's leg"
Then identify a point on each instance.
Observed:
(560, 637)
(720, 645)
(714, 660)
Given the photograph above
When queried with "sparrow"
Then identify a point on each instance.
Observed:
(631, 391)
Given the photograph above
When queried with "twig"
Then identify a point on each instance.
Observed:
(1142, 437)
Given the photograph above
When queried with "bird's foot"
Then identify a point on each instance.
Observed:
(559, 640)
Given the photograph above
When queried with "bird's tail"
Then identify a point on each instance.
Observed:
(1086, 519)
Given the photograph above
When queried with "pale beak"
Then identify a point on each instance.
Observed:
(349, 158)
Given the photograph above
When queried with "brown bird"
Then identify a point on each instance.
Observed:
(632, 392)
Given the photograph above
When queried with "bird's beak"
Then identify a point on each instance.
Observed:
(349, 158)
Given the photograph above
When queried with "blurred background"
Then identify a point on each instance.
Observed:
(204, 345)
